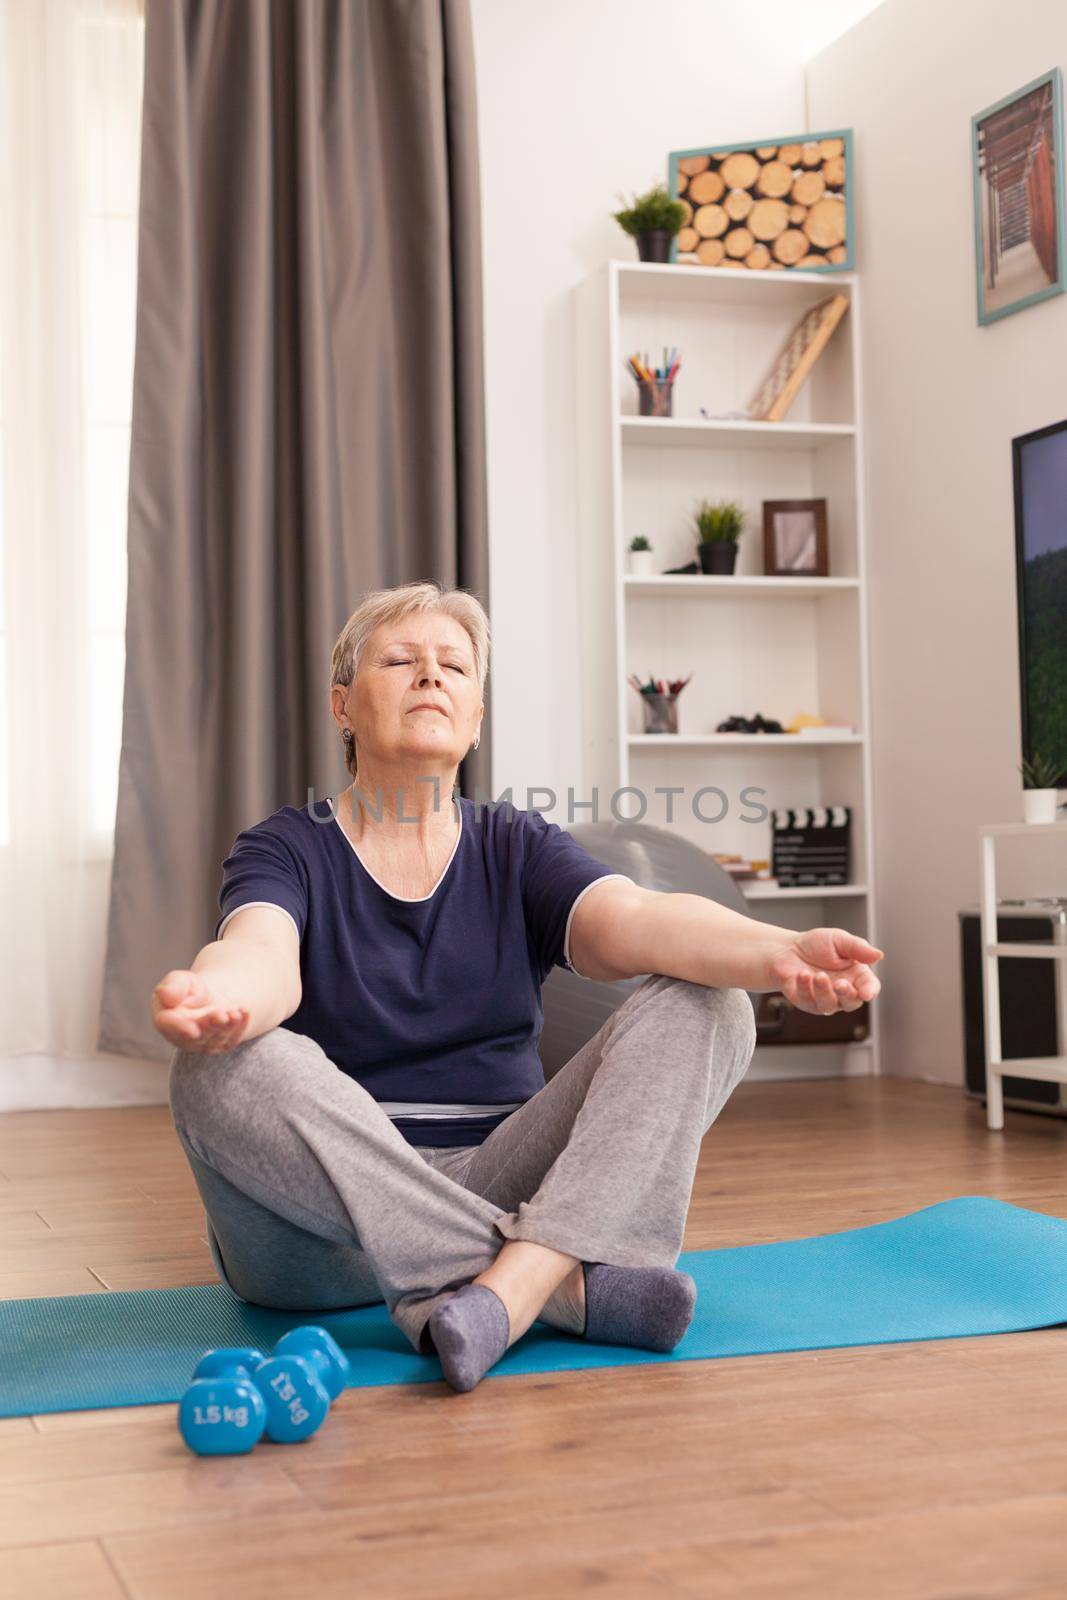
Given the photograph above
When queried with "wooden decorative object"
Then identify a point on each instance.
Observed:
(767, 207)
(795, 360)
(794, 539)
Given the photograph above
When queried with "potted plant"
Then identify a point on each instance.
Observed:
(640, 554)
(1039, 788)
(652, 219)
(719, 527)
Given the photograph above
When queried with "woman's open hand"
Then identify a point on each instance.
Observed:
(827, 969)
(190, 1014)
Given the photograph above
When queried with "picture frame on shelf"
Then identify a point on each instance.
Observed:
(1019, 247)
(766, 205)
(795, 542)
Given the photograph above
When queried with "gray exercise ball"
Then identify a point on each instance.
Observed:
(655, 858)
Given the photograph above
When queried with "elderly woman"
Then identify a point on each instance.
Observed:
(356, 1081)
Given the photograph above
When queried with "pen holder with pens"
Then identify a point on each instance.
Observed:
(655, 385)
(659, 702)
(656, 399)
(660, 712)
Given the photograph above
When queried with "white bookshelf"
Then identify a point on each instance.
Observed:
(754, 643)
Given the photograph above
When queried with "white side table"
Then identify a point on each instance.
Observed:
(1051, 1069)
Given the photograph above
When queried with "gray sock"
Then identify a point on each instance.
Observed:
(646, 1306)
(470, 1332)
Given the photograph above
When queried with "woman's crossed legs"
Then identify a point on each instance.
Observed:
(316, 1202)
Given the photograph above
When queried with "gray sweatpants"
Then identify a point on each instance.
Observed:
(315, 1202)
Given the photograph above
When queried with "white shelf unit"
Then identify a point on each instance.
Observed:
(1049, 1069)
(776, 645)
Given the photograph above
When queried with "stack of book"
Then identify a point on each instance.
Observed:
(740, 867)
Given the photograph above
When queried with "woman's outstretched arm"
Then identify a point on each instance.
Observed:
(621, 931)
(238, 987)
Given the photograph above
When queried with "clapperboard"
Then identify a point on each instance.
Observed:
(811, 845)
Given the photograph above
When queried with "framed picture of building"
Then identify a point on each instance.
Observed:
(777, 205)
(1017, 161)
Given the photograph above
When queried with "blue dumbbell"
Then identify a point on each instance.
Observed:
(294, 1387)
(322, 1350)
(222, 1415)
(227, 1360)
(296, 1400)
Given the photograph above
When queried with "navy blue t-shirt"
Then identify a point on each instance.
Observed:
(432, 1004)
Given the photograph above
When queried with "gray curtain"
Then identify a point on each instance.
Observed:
(308, 420)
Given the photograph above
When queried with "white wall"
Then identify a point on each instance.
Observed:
(580, 100)
(944, 397)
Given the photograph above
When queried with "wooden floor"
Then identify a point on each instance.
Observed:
(932, 1471)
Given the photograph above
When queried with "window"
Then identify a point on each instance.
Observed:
(110, 65)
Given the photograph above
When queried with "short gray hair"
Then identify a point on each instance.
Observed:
(381, 606)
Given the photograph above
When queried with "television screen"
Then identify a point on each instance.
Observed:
(1040, 473)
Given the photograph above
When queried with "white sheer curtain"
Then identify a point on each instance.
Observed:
(70, 113)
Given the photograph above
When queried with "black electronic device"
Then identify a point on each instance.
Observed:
(1039, 471)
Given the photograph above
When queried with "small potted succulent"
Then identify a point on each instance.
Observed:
(719, 527)
(640, 554)
(1039, 788)
(653, 219)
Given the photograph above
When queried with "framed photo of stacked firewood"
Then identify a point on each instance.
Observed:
(779, 205)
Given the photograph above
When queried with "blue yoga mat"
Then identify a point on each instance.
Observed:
(967, 1266)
